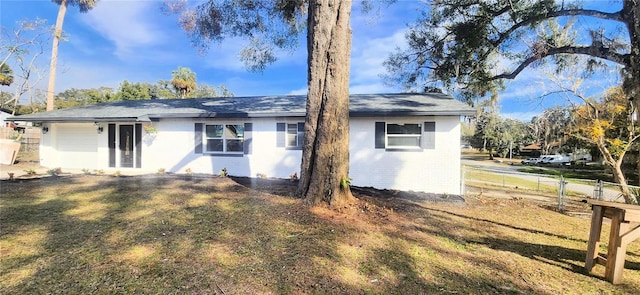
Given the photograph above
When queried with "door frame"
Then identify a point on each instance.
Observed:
(115, 151)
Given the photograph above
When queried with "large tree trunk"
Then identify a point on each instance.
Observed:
(57, 34)
(324, 172)
(631, 79)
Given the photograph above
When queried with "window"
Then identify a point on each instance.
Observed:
(293, 136)
(233, 140)
(224, 138)
(290, 135)
(405, 136)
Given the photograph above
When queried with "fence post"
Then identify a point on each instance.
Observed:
(562, 193)
(598, 191)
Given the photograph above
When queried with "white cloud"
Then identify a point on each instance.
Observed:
(130, 25)
(299, 91)
(367, 58)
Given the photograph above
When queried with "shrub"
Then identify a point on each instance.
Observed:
(54, 171)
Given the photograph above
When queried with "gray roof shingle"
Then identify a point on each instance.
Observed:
(402, 104)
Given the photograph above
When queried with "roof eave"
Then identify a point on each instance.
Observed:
(226, 115)
(71, 119)
(412, 114)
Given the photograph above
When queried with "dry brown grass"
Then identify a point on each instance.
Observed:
(176, 235)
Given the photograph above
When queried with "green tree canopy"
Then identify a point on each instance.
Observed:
(269, 25)
(133, 91)
(461, 44)
(78, 97)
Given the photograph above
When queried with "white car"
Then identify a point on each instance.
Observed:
(555, 160)
(530, 161)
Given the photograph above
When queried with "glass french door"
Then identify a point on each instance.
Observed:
(126, 146)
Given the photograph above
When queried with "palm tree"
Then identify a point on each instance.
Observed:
(84, 5)
(184, 81)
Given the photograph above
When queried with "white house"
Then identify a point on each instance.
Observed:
(3, 115)
(397, 141)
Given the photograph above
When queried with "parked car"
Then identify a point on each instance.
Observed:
(555, 160)
(544, 159)
(580, 162)
(530, 161)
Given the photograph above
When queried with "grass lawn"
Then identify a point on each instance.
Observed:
(172, 235)
(569, 173)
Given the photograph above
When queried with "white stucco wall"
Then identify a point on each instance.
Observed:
(436, 170)
(70, 145)
(429, 170)
(173, 150)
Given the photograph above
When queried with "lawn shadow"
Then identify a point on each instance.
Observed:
(199, 235)
(571, 259)
(164, 235)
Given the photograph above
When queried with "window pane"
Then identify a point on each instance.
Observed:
(234, 145)
(292, 140)
(407, 141)
(234, 131)
(404, 128)
(214, 145)
(292, 128)
(214, 131)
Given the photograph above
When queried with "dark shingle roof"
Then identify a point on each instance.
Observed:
(405, 104)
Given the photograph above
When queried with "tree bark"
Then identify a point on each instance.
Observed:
(616, 170)
(324, 172)
(54, 55)
(631, 17)
(631, 78)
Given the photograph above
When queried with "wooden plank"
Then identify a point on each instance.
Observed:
(617, 251)
(601, 260)
(609, 212)
(594, 237)
(632, 216)
(630, 235)
(614, 205)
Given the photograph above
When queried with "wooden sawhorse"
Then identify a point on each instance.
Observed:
(624, 230)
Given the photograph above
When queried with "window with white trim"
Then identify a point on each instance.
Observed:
(224, 138)
(294, 138)
(403, 135)
(290, 135)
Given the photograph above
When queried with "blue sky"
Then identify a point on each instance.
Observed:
(132, 40)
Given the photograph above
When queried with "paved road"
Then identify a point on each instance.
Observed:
(587, 190)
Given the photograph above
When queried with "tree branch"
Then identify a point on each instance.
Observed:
(595, 51)
(615, 16)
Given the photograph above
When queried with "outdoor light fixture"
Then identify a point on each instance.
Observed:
(100, 128)
(45, 129)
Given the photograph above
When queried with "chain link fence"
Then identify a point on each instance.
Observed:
(559, 188)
